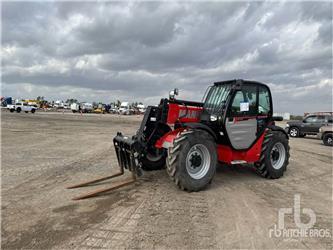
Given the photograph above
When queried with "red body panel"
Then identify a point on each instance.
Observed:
(166, 140)
(183, 113)
(226, 154)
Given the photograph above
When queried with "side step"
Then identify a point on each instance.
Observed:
(238, 162)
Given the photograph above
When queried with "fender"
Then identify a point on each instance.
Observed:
(196, 125)
(166, 141)
(277, 128)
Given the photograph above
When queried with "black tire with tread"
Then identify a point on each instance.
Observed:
(18, 110)
(264, 166)
(326, 137)
(33, 111)
(176, 160)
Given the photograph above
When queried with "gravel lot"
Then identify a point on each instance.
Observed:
(43, 153)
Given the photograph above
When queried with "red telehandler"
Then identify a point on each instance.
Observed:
(234, 125)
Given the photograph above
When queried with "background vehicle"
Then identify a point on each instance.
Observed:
(100, 109)
(58, 104)
(22, 106)
(308, 126)
(86, 107)
(5, 101)
(125, 108)
(75, 107)
(326, 134)
(141, 108)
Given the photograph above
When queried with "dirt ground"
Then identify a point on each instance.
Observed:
(43, 153)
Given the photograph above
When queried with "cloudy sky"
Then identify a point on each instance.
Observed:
(108, 50)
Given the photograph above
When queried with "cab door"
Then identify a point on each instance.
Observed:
(308, 124)
(241, 121)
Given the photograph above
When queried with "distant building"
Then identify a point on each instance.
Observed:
(285, 115)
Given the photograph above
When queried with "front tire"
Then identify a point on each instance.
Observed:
(18, 110)
(191, 162)
(274, 156)
(328, 139)
(33, 111)
(294, 132)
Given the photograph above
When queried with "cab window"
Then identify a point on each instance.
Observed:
(311, 119)
(264, 106)
(245, 102)
(321, 119)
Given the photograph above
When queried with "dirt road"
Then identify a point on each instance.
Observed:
(43, 153)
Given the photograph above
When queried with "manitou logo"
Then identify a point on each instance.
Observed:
(303, 229)
(189, 114)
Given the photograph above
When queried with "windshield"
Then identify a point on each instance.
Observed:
(216, 97)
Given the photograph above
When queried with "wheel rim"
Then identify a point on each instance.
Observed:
(293, 132)
(278, 155)
(329, 140)
(198, 161)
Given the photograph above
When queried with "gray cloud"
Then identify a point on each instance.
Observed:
(106, 50)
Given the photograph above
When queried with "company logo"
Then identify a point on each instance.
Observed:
(189, 114)
(303, 229)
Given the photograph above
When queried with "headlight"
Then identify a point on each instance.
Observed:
(213, 118)
(287, 126)
(320, 130)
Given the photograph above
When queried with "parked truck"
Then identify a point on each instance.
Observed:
(22, 106)
(308, 126)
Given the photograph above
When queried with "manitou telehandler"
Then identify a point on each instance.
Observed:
(234, 125)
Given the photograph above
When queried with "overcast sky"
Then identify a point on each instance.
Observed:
(139, 51)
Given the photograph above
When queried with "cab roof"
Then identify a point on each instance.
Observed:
(240, 82)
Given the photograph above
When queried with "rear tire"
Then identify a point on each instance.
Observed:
(274, 156)
(328, 139)
(294, 132)
(191, 162)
